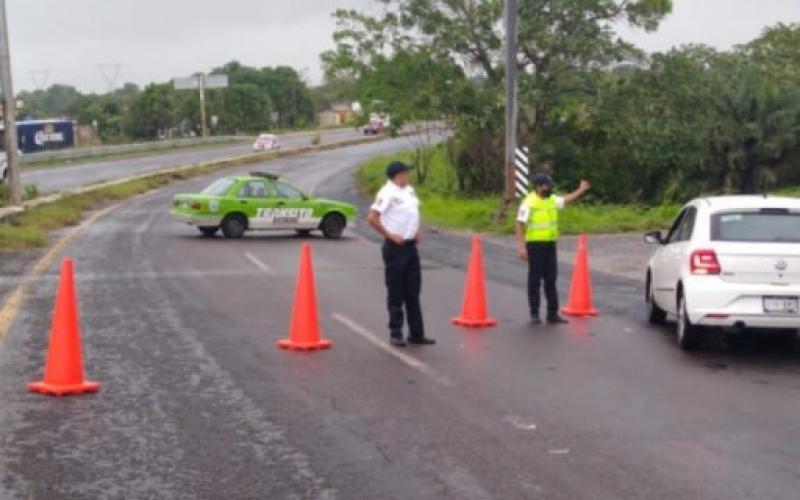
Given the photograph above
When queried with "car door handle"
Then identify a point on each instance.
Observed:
(281, 203)
(243, 202)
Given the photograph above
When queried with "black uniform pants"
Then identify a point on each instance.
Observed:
(403, 284)
(542, 266)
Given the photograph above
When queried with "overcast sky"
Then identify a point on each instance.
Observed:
(57, 41)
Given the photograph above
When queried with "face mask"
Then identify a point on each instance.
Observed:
(546, 192)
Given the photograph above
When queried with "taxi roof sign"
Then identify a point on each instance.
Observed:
(264, 175)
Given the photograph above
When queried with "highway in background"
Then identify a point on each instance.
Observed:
(197, 402)
(80, 173)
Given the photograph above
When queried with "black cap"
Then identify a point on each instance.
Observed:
(542, 179)
(395, 168)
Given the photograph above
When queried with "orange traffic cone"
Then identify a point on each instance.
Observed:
(63, 370)
(304, 331)
(474, 312)
(580, 292)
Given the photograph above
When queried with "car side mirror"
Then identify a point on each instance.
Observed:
(653, 238)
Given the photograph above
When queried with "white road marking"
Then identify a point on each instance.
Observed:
(383, 345)
(560, 452)
(260, 265)
(520, 423)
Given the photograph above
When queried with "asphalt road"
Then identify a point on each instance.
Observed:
(82, 173)
(197, 402)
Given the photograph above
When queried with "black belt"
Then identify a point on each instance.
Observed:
(406, 243)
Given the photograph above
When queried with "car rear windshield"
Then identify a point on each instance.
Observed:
(219, 187)
(766, 226)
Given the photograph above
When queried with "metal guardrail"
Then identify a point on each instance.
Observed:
(139, 147)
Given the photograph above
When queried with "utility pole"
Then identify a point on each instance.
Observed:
(200, 81)
(201, 84)
(9, 110)
(511, 100)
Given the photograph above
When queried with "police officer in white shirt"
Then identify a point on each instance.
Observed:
(395, 216)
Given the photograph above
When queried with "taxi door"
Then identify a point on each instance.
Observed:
(292, 208)
(253, 197)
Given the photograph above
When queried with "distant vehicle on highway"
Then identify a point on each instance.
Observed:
(260, 201)
(267, 142)
(377, 124)
(729, 261)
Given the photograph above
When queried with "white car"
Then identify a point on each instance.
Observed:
(267, 142)
(728, 261)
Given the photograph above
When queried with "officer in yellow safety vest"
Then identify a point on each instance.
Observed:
(537, 233)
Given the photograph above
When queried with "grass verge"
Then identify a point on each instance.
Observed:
(30, 228)
(440, 208)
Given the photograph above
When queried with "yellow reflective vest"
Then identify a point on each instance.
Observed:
(542, 218)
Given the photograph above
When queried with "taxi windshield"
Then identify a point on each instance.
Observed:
(218, 187)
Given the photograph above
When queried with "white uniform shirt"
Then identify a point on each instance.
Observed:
(399, 209)
(524, 213)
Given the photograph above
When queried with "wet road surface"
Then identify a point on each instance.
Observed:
(197, 402)
(80, 173)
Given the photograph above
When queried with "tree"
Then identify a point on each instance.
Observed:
(282, 86)
(777, 52)
(418, 91)
(561, 44)
(757, 127)
(153, 112)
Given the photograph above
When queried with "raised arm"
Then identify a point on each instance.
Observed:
(578, 193)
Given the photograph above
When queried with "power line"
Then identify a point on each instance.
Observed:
(40, 78)
(110, 72)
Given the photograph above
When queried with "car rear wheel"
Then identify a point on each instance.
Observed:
(333, 226)
(655, 315)
(688, 334)
(208, 231)
(234, 226)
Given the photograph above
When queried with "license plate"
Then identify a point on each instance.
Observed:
(781, 305)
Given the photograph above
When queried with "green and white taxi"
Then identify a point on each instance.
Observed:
(260, 201)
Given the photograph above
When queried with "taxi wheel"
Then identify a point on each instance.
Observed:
(208, 231)
(234, 226)
(333, 226)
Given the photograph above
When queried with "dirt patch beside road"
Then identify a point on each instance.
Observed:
(624, 255)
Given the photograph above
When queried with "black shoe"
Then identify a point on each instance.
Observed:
(555, 319)
(536, 320)
(421, 341)
(397, 341)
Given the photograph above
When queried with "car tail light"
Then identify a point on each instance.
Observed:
(704, 262)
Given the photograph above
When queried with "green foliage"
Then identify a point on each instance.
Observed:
(335, 90)
(441, 208)
(262, 91)
(646, 130)
(29, 192)
(246, 106)
(407, 50)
